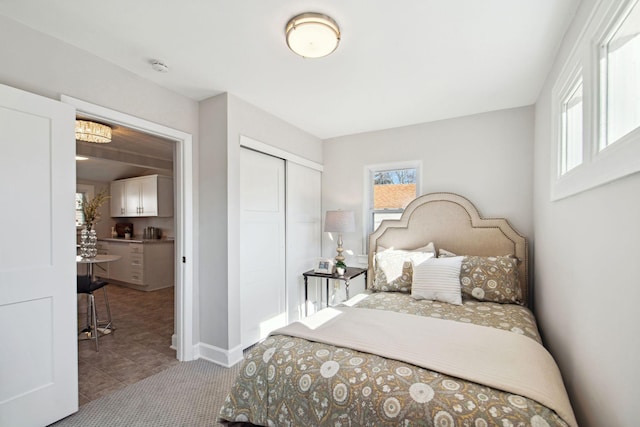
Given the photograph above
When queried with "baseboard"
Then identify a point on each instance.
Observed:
(219, 356)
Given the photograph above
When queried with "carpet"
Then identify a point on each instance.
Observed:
(187, 394)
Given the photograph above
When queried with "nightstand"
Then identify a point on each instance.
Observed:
(352, 272)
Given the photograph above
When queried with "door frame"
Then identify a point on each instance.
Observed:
(184, 214)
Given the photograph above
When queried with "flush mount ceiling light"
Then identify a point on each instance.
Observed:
(92, 132)
(312, 35)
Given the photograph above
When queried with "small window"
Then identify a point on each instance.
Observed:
(79, 211)
(393, 190)
(620, 78)
(83, 192)
(571, 144)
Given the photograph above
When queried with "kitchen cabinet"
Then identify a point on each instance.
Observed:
(143, 265)
(143, 196)
(117, 199)
(101, 270)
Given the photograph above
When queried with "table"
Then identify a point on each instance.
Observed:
(350, 273)
(95, 260)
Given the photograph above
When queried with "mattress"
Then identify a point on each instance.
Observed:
(291, 381)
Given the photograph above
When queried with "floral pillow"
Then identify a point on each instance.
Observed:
(492, 279)
(392, 268)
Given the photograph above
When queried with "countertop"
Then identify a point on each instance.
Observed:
(134, 240)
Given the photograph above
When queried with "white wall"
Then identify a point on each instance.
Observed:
(48, 67)
(586, 289)
(485, 157)
(220, 208)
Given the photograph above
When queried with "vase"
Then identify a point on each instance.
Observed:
(88, 241)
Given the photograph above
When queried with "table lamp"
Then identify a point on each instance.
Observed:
(340, 222)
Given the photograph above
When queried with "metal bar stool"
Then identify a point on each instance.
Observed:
(88, 286)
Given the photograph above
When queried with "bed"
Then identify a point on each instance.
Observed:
(414, 349)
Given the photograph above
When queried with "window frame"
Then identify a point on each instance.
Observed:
(617, 160)
(368, 210)
(573, 83)
(606, 35)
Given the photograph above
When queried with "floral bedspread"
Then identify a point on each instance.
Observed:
(293, 382)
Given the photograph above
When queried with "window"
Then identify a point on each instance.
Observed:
(83, 192)
(596, 102)
(620, 78)
(390, 188)
(79, 212)
(571, 145)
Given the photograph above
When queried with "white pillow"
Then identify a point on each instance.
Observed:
(438, 279)
(391, 261)
(443, 253)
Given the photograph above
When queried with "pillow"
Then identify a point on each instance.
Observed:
(491, 278)
(443, 253)
(437, 279)
(430, 247)
(392, 268)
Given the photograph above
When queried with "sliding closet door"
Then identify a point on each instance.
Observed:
(262, 245)
(304, 232)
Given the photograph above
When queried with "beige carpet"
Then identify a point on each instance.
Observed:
(187, 394)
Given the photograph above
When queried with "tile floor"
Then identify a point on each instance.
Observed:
(136, 349)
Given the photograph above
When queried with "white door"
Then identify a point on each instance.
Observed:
(304, 233)
(38, 337)
(262, 245)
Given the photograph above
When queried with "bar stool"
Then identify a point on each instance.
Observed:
(88, 286)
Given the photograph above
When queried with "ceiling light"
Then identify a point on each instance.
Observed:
(312, 35)
(81, 158)
(92, 132)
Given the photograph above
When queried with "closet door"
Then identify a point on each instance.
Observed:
(262, 245)
(304, 232)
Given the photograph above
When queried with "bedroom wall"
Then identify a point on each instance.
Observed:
(586, 282)
(223, 119)
(48, 67)
(484, 157)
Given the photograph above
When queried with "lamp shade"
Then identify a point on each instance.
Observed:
(340, 222)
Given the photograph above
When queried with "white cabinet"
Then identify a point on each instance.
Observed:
(118, 201)
(143, 266)
(144, 196)
(101, 270)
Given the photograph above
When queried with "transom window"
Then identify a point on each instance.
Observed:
(596, 102)
(620, 77)
(571, 145)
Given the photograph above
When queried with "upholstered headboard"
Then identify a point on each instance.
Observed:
(453, 223)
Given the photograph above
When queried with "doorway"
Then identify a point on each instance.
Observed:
(183, 208)
(141, 283)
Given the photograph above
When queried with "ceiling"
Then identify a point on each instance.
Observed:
(399, 62)
(130, 153)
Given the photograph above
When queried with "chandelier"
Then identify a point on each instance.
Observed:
(92, 132)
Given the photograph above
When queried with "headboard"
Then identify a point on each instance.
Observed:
(453, 223)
